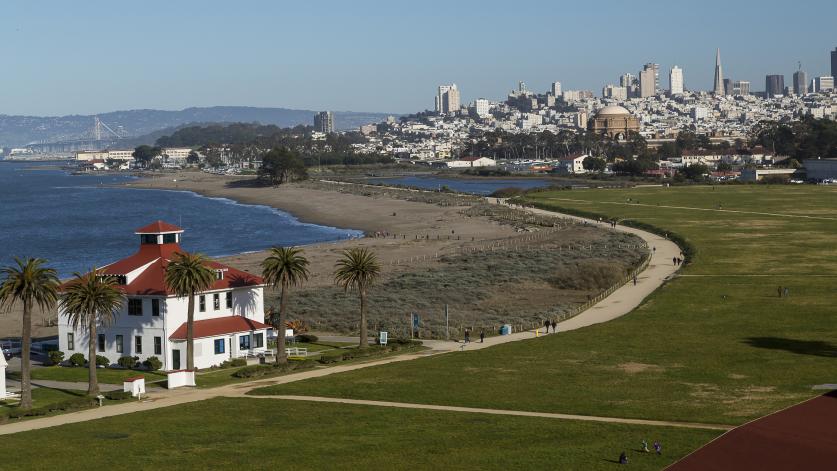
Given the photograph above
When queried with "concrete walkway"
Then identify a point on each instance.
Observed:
(519, 413)
(620, 302)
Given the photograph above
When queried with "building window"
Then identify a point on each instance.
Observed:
(216, 301)
(71, 341)
(169, 238)
(202, 303)
(148, 238)
(244, 342)
(219, 346)
(135, 307)
(101, 342)
(229, 299)
(155, 307)
(118, 344)
(258, 340)
(158, 345)
(138, 344)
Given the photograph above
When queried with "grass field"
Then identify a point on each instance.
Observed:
(43, 397)
(251, 433)
(716, 344)
(80, 374)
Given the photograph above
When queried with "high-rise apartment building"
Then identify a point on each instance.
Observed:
(675, 81)
(741, 88)
(719, 75)
(834, 62)
(649, 80)
(614, 92)
(728, 86)
(481, 107)
(629, 81)
(823, 84)
(774, 85)
(324, 122)
(800, 83)
(447, 99)
(556, 88)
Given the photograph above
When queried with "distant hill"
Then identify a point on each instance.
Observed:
(16, 131)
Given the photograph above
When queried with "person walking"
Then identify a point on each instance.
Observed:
(482, 336)
(674, 260)
(658, 448)
(623, 458)
(467, 336)
(554, 326)
(779, 290)
(634, 280)
(546, 326)
(786, 292)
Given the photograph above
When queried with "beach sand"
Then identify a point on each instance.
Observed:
(407, 219)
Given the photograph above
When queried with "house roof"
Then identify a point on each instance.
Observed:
(219, 326)
(158, 227)
(148, 269)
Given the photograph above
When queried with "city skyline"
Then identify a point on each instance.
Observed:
(368, 63)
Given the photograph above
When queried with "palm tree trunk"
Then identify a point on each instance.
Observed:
(281, 357)
(364, 341)
(92, 379)
(26, 341)
(190, 333)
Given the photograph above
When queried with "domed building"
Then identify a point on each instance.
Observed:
(614, 121)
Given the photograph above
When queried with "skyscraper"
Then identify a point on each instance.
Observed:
(834, 62)
(675, 81)
(324, 122)
(447, 99)
(629, 81)
(727, 86)
(774, 85)
(719, 74)
(800, 83)
(649, 80)
(741, 87)
(556, 88)
(823, 84)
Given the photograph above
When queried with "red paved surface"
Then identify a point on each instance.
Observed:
(803, 437)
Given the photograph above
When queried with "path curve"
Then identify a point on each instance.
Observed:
(620, 302)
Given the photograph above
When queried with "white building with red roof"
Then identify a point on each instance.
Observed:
(228, 316)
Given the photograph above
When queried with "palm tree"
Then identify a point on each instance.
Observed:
(285, 267)
(88, 301)
(358, 269)
(29, 284)
(187, 275)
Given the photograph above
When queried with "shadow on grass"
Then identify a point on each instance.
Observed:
(802, 347)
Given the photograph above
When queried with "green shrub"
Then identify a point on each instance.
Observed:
(128, 362)
(102, 360)
(71, 404)
(77, 359)
(238, 362)
(55, 357)
(253, 371)
(152, 363)
(118, 395)
(330, 357)
(307, 338)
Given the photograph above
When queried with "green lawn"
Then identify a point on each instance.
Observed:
(251, 433)
(80, 374)
(717, 348)
(44, 396)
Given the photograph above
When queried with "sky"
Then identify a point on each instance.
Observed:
(61, 57)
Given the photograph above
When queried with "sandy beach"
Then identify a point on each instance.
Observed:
(407, 219)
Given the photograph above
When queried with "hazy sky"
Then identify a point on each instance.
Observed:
(67, 57)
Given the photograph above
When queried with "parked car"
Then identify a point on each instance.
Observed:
(10, 348)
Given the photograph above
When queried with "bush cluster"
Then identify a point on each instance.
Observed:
(128, 362)
(55, 357)
(102, 360)
(118, 395)
(77, 359)
(256, 371)
(307, 338)
(152, 364)
(393, 345)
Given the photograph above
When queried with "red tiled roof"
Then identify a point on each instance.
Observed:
(158, 227)
(151, 281)
(219, 326)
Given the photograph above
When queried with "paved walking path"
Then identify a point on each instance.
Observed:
(620, 302)
(520, 413)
